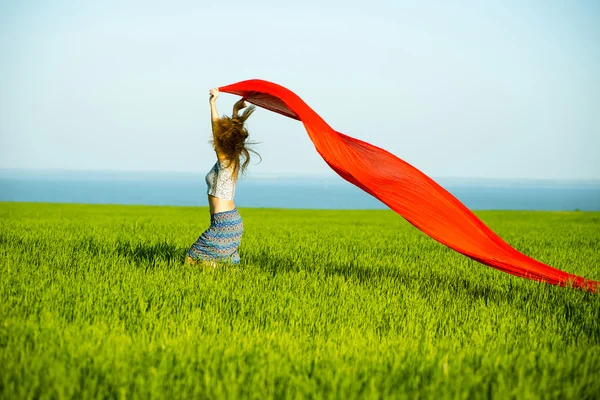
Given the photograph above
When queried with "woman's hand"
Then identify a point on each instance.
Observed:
(240, 105)
(214, 93)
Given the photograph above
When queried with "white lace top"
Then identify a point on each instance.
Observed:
(220, 181)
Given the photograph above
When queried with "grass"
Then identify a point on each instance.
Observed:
(95, 302)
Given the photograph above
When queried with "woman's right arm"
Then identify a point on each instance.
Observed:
(214, 117)
(214, 114)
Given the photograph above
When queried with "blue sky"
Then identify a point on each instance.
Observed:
(470, 89)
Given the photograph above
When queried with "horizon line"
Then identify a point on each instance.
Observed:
(324, 175)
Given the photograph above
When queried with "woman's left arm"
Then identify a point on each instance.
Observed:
(239, 105)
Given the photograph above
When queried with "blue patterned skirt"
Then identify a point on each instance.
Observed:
(221, 240)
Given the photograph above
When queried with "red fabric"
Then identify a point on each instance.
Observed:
(405, 189)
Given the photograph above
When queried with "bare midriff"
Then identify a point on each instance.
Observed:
(217, 205)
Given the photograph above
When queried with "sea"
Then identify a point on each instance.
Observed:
(288, 192)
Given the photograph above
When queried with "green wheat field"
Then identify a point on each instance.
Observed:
(95, 302)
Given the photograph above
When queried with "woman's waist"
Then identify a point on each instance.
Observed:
(218, 205)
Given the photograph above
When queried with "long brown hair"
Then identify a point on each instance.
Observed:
(230, 139)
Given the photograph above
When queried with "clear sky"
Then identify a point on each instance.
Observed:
(492, 89)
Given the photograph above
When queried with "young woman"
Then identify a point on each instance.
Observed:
(219, 243)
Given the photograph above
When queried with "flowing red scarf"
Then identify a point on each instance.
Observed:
(405, 189)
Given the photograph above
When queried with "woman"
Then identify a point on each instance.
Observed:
(219, 243)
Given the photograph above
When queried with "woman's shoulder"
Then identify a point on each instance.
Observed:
(224, 162)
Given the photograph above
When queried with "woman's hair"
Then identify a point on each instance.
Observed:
(230, 139)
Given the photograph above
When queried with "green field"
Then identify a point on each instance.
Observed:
(95, 302)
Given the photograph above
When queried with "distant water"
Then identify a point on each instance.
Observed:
(188, 189)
